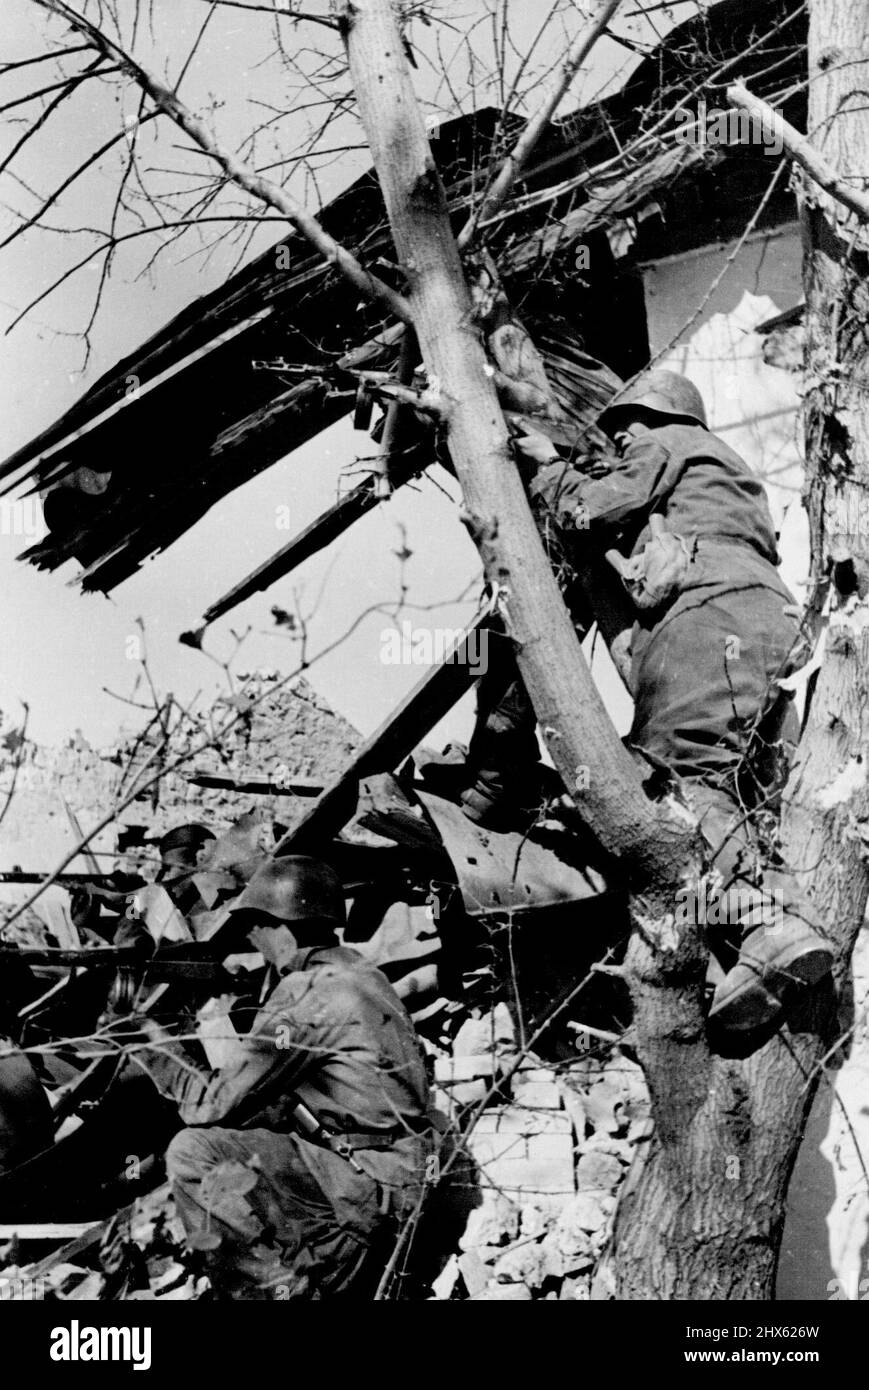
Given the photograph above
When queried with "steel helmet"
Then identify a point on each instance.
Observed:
(184, 837)
(295, 889)
(667, 393)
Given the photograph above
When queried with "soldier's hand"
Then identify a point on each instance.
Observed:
(536, 446)
(135, 1028)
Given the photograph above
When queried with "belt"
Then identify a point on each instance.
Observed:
(741, 541)
(353, 1140)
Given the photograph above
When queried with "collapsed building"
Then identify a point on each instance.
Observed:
(599, 252)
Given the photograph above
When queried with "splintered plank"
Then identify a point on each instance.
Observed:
(429, 700)
(321, 532)
(47, 1230)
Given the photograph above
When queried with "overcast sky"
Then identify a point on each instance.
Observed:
(62, 650)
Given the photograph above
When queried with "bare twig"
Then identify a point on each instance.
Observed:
(276, 12)
(515, 162)
(801, 150)
(236, 171)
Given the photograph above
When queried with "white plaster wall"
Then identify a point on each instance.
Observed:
(752, 405)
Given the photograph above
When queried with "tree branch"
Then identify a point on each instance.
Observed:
(801, 150)
(278, 13)
(236, 171)
(515, 162)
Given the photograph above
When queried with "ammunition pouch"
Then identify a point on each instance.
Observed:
(657, 574)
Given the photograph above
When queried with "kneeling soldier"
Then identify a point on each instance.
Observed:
(333, 1076)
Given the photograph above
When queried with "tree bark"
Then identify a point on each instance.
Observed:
(579, 734)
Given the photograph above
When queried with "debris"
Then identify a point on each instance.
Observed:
(575, 1289)
(537, 1088)
(494, 1223)
(598, 1171)
(491, 1033)
(582, 1213)
(524, 1151)
(605, 1143)
(446, 1281)
(473, 1272)
(514, 1293)
(521, 1264)
(88, 1290)
(64, 1279)
(534, 1221)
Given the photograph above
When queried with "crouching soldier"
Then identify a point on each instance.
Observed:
(715, 628)
(332, 1076)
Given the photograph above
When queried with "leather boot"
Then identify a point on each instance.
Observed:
(775, 965)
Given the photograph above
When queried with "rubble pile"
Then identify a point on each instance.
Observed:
(140, 1255)
(286, 732)
(551, 1144)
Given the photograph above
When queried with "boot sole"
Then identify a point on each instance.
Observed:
(749, 998)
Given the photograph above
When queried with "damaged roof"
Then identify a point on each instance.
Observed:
(128, 473)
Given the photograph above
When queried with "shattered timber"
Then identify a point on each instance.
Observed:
(569, 1008)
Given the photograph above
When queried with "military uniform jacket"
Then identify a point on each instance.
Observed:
(333, 1034)
(697, 482)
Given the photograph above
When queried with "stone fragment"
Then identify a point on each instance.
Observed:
(473, 1272)
(524, 1152)
(514, 1293)
(577, 1289)
(605, 1143)
(534, 1221)
(604, 1106)
(490, 1034)
(583, 1212)
(446, 1281)
(598, 1171)
(536, 1094)
(494, 1223)
(521, 1264)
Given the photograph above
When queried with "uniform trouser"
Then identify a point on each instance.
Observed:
(706, 703)
(703, 680)
(751, 892)
(504, 742)
(303, 1229)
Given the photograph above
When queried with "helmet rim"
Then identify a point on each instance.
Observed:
(666, 393)
(295, 889)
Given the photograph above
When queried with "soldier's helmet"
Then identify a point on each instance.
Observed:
(295, 889)
(182, 836)
(180, 845)
(666, 393)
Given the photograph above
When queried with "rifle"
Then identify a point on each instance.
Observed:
(116, 883)
(171, 963)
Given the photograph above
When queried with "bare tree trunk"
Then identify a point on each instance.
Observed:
(827, 819)
(578, 731)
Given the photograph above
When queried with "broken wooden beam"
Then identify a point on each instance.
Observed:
(315, 537)
(430, 699)
(47, 1230)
